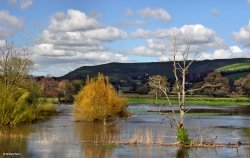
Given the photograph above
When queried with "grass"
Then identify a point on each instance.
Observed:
(234, 67)
(205, 114)
(194, 100)
(46, 109)
(247, 131)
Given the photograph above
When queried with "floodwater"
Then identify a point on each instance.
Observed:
(61, 137)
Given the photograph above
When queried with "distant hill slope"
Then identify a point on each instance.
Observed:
(135, 71)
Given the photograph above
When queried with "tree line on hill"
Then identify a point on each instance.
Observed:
(65, 90)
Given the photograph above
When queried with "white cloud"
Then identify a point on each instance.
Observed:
(75, 39)
(248, 1)
(192, 34)
(159, 13)
(10, 20)
(231, 52)
(23, 4)
(9, 24)
(2, 42)
(159, 42)
(243, 36)
(74, 20)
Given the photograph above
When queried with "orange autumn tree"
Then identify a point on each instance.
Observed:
(98, 101)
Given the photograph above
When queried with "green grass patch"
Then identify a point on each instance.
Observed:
(193, 101)
(205, 114)
(46, 107)
(234, 67)
(247, 131)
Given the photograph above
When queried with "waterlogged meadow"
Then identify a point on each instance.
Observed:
(144, 134)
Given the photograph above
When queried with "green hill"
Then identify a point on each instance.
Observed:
(234, 67)
(139, 72)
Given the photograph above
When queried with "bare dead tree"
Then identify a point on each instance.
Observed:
(15, 64)
(158, 82)
(182, 59)
(183, 55)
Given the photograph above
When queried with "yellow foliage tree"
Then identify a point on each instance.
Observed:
(98, 101)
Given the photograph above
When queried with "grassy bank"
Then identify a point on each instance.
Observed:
(192, 100)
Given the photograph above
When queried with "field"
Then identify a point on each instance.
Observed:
(192, 100)
(235, 67)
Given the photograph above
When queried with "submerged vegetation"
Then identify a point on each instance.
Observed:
(98, 101)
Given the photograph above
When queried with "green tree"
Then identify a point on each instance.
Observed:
(142, 89)
(17, 102)
(98, 101)
(220, 85)
(77, 84)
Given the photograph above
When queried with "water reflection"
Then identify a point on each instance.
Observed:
(13, 141)
(96, 138)
(61, 137)
(182, 152)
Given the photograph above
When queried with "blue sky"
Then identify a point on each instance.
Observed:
(65, 34)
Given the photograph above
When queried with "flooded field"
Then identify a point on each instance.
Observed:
(61, 137)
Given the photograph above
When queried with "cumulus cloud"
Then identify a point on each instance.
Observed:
(159, 13)
(243, 36)
(231, 52)
(9, 24)
(75, 39)
(23, 4)
(192, 34)
(159, 44)
(10, 20)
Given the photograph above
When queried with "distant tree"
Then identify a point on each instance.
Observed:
(66, 90)
(142, 89)
(98, 101)
(77, 84)
(159, 84)
(221, 88)
(49, 87)
(243, 85)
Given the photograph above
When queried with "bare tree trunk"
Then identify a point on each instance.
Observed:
(182, 105)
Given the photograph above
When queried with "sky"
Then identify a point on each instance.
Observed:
(62, 35)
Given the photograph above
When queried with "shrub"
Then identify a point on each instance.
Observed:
(182, 136)
(98, 101)
(15, 107)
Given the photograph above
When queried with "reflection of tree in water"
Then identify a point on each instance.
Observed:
(14, 141)
(182, 152)
(96, 138)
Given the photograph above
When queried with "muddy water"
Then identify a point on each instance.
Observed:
(61, 137)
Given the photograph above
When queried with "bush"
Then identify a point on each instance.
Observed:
(15, 107)
(182, 136)
(98, 101)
